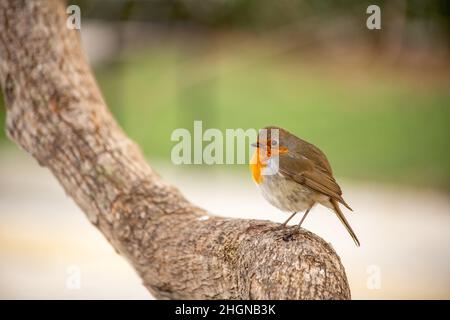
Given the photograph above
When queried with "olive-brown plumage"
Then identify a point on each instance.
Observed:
(294, 175)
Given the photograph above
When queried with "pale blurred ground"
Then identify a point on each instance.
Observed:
(404, 232)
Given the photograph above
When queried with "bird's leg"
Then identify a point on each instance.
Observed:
(291, 216)
(304, 216)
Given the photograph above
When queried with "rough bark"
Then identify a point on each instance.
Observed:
(55, 112)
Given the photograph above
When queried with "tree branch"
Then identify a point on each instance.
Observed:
(55, 112)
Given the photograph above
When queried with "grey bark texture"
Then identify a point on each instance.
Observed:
(56, 113)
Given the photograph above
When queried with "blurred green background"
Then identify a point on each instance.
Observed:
(377, 102)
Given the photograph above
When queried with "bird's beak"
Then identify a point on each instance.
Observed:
(259, 144)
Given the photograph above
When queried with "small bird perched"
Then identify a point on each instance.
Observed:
(294, 175)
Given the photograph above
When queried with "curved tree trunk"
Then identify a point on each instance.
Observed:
(55, 112)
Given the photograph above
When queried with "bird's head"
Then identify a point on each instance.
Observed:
(272, 141)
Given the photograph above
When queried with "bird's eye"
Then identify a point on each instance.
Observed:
(274, 142)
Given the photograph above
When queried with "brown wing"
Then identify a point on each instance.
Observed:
(315, 155)
(308, 173)
(303, 147)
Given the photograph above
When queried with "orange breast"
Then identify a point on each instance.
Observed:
(256, 166)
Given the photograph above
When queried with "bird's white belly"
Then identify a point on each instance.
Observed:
(286, 195)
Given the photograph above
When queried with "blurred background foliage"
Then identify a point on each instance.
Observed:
(376, 101)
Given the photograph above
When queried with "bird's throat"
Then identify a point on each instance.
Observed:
(257, 164)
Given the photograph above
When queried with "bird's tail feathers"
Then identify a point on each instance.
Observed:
(344, 221)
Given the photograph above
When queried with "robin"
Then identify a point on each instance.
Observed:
(294, 175)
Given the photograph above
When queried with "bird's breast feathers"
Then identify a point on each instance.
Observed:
(257, 164)
(261, 165)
